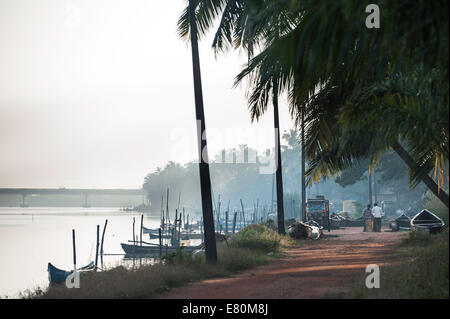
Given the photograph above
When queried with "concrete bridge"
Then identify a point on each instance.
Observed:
(69, 191)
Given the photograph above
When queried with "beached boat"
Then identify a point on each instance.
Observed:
(146, 230)
(56, 275)
(151, 250)
(156, 236)
(402, 222)
(426, 221)
(183, 235)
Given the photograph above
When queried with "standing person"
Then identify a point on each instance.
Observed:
(367, 215)
(377, 213)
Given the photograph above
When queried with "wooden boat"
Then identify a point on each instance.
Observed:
(402, 222)
(146, 230)
(156, 236)
(152, 250)
(427, 222)
(56, 275)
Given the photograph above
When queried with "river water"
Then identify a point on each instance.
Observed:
(32, 237)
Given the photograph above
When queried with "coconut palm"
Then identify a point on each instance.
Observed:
(331, 81)
(205, 179)
(246, 24)
(333, 68)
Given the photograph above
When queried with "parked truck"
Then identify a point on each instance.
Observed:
(318, 210)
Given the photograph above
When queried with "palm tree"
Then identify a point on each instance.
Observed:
(358, 92)
(353, 83)
(242, 24)
(205, 179)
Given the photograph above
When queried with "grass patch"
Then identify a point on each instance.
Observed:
(246, 249)
(422, 272)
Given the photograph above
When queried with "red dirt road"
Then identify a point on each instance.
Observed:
(319, 269)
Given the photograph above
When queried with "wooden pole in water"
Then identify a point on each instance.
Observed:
(179, 229)
(160, 243)
(176, 217)
(226, 222)
(243, 211)
(97, 246)
(167, 207)
(162, 210)
(176, 225)
(134, 243)
(234, 222)
(103, 237)
(142, 225)
(74, 250)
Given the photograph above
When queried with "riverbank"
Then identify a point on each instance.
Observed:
(252, 246)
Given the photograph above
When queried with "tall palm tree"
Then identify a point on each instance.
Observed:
(279, 169)
(205, 179)
(242, 24)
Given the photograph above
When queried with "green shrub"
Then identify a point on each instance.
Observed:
(257, 237)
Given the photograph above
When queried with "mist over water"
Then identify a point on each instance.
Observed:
(32, 237)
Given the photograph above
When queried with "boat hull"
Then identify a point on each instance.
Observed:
(137, 250)
(56, 275)
(427, 222)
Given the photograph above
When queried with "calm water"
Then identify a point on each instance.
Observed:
(32, 237)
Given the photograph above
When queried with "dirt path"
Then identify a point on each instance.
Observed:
(320, 269)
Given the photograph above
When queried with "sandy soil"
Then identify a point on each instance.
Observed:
(323, 268)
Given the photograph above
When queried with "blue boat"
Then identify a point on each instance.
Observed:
(56, 275)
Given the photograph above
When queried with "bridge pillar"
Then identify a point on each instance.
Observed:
(86, 204)
(24, 201)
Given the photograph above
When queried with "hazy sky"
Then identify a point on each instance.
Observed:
(96, 93)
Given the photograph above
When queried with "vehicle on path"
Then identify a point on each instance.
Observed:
(318, 210)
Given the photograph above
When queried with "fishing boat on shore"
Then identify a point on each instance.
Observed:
(426, 221)
(152, 250)
(402, 222)
(156, 236)
(56, 275)
(146, 230)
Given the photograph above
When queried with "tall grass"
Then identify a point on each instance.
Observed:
(422, 272)
(246, 249)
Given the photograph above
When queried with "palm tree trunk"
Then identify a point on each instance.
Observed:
(279, 175)
(370, 186)
(427, 180)
(205, 180)
(303, 210)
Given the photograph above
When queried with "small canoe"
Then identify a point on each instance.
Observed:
(426, 221)
(146, 230)
(56, 275)
(155, 231)
(402, 222)
(156, 236)
(151, 250)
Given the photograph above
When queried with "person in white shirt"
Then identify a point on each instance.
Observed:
(377, 213)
